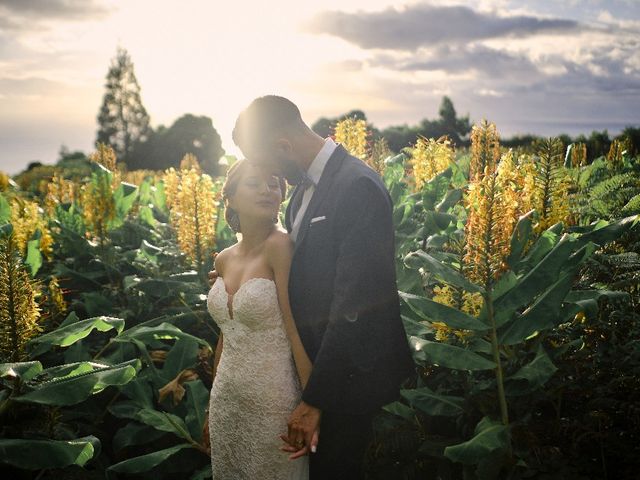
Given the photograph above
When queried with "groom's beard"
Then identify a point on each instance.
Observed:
(291, 171)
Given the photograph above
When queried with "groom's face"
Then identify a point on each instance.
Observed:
(280, 158)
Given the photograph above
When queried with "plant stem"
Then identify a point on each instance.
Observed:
(504, 413)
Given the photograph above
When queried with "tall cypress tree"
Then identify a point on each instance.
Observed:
(123, 120)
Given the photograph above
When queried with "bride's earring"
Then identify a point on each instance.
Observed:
(234, 220)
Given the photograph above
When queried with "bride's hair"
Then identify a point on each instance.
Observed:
(234, 175)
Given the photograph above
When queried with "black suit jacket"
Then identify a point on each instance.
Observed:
(343, 291)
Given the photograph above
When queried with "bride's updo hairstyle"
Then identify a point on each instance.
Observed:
(234, 175)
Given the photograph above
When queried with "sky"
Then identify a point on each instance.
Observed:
(543, 66)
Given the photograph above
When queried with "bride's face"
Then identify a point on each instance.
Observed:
(258, 195)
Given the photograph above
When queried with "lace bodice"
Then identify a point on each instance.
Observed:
(256, 385)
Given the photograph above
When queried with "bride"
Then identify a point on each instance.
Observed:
(260, 365)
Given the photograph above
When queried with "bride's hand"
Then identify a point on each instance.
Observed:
(297, 452)
(304, 430)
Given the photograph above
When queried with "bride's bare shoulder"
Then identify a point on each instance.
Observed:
(222, 257)
(279, 243)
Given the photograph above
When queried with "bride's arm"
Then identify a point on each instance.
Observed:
(216, 357)
(279, 251)
(217, 265)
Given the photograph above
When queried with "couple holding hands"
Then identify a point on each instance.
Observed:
(311, 343)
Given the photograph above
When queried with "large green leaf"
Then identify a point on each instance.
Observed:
(535, 281)
(124, 197)
(401, 410)
(437, 312)
(437, 221)
(197, 400)
(163, 421)
(544, 313)
(85, 380)
(520, 237)
(432, 403)
(70, 334)
(489, 436)
(602, 235)
(444, 272)
(535, 374)
(5, 210)
(202, 474)
(452, 197)
(146, 462)
(44, 454)
(542, 246)
(449, 356)
(135, 434)
(33, 258)
(22, 370)
(183, 354)
(163, 331)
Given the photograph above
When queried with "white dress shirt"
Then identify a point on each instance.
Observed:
(314, 173)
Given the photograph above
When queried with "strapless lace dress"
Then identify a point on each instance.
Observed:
(256, 386)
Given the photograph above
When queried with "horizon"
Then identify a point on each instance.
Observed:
(543, 68)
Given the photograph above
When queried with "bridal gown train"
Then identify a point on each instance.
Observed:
(256, 386)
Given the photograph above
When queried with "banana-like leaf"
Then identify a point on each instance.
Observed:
(401, 410)
(85, 380)
(202, 474)
(147, 334)
(489, 437)
(544, 313)
(432, 403)
(542, 246)
(146, 462)
(437, 312)
(602, 235)
(22, 370)
(124, 196)
(40, 454)
(451, 198)
(435, 222)
(163, 421)
(135, 434)
(449, 356)
(520, 237)
(535, 281)
(183, 354)
(444, 272)
(534, 374)
(34, 257)
(5, 210)
(71, 333)
(197, 399)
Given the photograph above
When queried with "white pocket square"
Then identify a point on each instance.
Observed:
(317, 219)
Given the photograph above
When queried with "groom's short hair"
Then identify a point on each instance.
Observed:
(264, 119)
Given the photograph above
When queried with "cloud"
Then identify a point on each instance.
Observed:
(424, 25)
(462, 58)
(69, 9)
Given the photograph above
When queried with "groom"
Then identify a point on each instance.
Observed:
(342, 285)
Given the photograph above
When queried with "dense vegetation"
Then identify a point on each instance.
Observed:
(518, 272)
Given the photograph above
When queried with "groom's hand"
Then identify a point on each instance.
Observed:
(303, 430)
(213, 276)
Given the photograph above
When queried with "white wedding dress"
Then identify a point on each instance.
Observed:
(256, 386)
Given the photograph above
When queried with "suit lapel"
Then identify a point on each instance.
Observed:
(292, 207)
(321, 191)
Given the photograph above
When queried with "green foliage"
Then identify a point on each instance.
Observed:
(119, 388)
(165, 147)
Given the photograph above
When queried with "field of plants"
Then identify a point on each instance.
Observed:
(518, 271)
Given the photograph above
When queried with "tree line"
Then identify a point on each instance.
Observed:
(124, 124)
